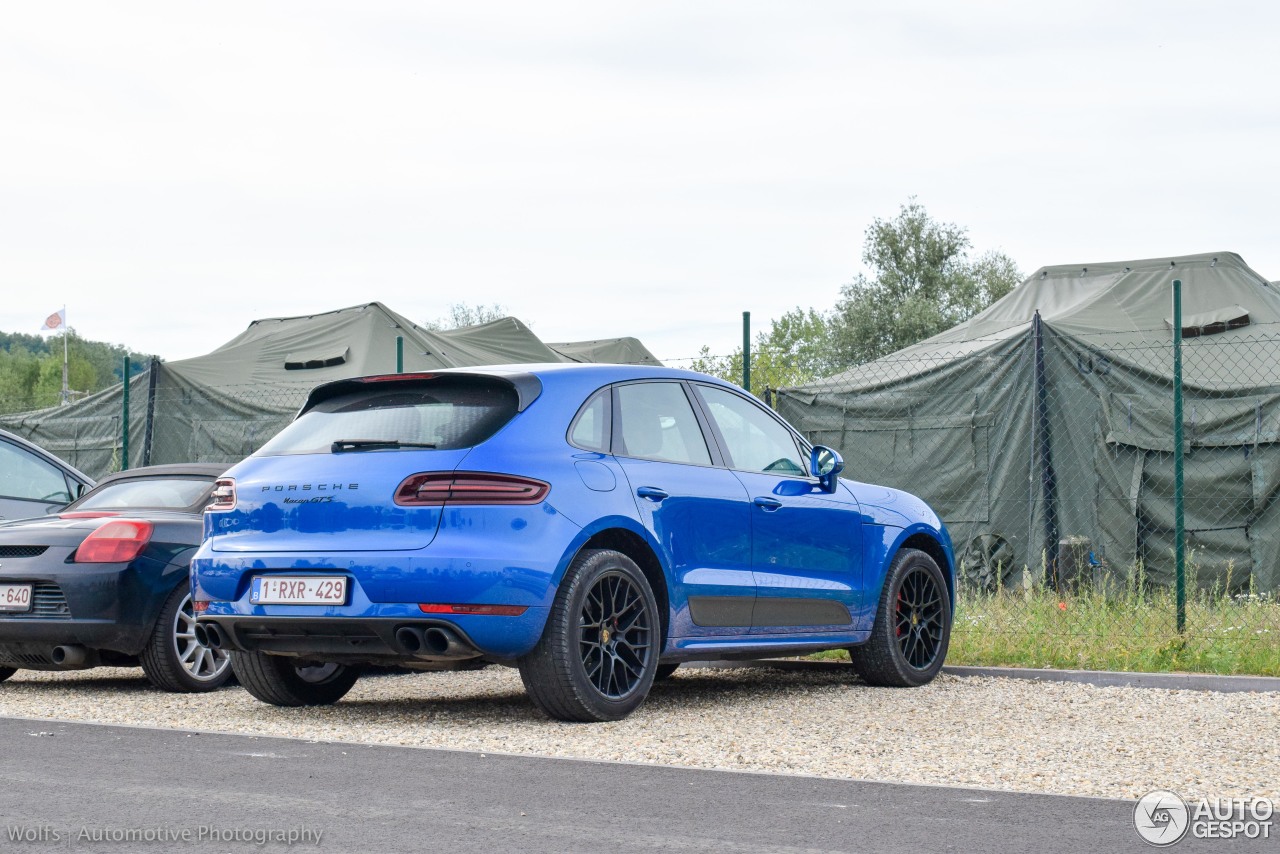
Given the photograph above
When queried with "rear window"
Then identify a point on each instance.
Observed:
(444, 413)
(170, 493)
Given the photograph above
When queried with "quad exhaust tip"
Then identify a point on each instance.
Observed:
(433, 643)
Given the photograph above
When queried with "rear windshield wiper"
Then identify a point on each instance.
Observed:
(374, 445)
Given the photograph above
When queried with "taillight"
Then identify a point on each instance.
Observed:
(118, 541)
(224, 494)
(468, 487)
(492, 610)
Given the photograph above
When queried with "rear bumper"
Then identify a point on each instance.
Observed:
(374, 638)
(110, 607)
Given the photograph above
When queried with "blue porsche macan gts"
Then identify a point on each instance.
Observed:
(592, 525)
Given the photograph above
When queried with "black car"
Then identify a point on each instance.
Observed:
(105, 581)
(33, 481)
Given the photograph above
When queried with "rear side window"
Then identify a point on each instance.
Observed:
(444, 413)
(656, 422)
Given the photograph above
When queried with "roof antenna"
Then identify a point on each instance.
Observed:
(1083, 272)
(1215, 263)
(1044, 274)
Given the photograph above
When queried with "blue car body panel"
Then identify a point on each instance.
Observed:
(736, 552)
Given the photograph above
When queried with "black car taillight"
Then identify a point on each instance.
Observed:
(118, 541)
(224, 494)
(436, 489)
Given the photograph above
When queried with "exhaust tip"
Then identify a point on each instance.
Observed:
(437, 641)
(212, 636)
(68, 656)
(202, 637)
(410, 640)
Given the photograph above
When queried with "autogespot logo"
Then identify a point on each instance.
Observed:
(1162, 818)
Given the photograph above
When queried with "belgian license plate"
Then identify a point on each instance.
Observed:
(15, 597)
(298, 590)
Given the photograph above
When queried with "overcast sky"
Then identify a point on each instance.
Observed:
(171, 171)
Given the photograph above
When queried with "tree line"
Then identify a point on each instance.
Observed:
(923, 278)
(31, 368)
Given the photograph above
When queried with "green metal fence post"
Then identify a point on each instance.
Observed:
(399, 354)
(746, 351)
(124, 430)
(1179, 526)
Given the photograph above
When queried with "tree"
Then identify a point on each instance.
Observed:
(31, 368)
(923, 282)
(461, 314)
(796, 348)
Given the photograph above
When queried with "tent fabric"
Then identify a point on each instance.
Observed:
(614, 351)
(1049, 416)
(224, 405)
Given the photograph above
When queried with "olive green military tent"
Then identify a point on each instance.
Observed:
(1042, 428)
(223, 406)
(614, 351)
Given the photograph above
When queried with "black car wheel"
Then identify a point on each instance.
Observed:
(913, 625)
(284, 681)
(6, 672)
(598, 654)
(173, 659)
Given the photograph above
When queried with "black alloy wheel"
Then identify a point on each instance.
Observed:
(598, 654)
(912, 630)
(615, 635)
(918, 618)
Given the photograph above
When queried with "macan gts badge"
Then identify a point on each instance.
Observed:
(592, 525)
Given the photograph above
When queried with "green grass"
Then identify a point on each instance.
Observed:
(1119, 626)
(1118, 631)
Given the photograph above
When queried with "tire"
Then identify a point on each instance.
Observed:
(586, 666)
(286, 681)
(6, 672)
(664, 672)
(173, 659)
(909, 640)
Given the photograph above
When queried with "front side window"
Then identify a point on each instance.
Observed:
(754, 440)
(444, 413)
(655, 421)
(24, 475)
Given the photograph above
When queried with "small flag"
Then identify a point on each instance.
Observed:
(57, 320)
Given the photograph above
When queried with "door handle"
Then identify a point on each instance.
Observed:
(769, 504)
(652, 493)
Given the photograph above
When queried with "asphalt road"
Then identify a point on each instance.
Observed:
(86, 787)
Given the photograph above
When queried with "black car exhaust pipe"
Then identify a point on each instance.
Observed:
(443, 643)
(70, 656)
(209, 635)
(411, 640)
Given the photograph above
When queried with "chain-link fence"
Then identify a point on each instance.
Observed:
(1050, 455)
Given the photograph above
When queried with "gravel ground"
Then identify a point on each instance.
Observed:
(990, 733)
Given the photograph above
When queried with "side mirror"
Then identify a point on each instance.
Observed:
(825, 464)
